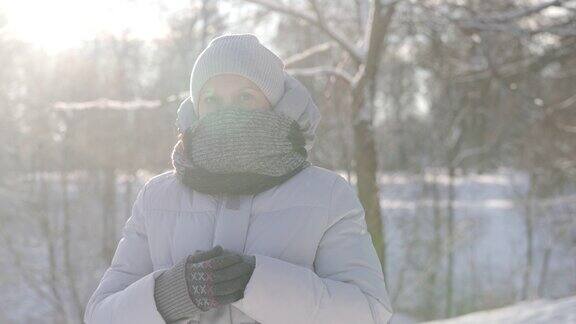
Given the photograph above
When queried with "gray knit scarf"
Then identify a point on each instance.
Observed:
(239, 151)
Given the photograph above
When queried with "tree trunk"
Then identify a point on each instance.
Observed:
(366, 168)
(451, 243)
(67, 248)
(129, 188)
(544, 273)
(529, 232)
(363, 116)
(436, 248)
(109, 214)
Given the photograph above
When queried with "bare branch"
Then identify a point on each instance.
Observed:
(317, 12)
(508, 16)
(322, 70)
(505, 22)
(517, 68)
(477, 25)
(297, 58)
(354, 51)
(566, 128)
(564, 104)
(564, 29)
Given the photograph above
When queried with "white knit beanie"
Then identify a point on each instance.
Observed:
(241, 54)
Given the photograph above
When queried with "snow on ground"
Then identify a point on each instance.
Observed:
(544, 311)
(400, 318)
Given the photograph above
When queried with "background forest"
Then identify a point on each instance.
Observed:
(455, 120)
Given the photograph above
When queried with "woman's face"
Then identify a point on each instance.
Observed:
(225, 90)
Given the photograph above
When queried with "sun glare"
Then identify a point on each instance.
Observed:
(58, 24)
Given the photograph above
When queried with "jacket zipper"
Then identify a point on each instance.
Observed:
(219, 203)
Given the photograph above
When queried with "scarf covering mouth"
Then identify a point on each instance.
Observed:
(239, 151)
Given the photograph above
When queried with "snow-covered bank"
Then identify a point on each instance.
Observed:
(543, 311)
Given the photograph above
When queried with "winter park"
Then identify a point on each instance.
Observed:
(288, 161)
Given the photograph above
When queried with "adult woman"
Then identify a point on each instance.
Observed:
(244, 229)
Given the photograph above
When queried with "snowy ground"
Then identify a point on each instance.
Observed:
(558, 311)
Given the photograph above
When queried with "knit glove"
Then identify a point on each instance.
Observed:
(202, 281)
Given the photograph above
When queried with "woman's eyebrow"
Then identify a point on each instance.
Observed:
(249, 87)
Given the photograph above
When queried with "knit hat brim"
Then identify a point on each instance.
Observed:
(240, 54)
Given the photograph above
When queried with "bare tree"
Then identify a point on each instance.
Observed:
(366, 54)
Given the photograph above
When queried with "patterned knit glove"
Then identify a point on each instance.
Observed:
(219, 280)
(203, 280)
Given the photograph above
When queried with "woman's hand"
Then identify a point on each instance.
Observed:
(201, 281)
(217, 277)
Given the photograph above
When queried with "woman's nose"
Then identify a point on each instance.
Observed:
(227, 102)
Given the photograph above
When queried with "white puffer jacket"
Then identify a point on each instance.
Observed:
(315, 262)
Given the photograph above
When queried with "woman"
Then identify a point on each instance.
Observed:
(244, 229)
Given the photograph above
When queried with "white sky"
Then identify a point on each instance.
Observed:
(60, 24)
(55, 25)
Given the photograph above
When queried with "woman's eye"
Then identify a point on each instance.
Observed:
(246, 96)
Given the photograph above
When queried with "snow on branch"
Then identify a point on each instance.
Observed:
(322, 70)
(297, 58)
(104, 103)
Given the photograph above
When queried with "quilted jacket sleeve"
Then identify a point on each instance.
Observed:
(347, 285)
(125, 293)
